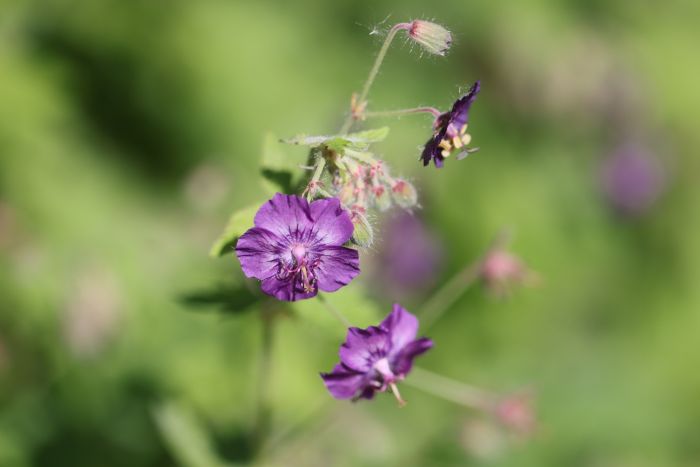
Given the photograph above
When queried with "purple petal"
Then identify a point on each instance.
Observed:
(402, 327)
(332, 222)
(403, 361)
(363, 347)
(284, 214)
(285, 290)
(257, 253)
(337, 266)
(460, 109)
(343, 383)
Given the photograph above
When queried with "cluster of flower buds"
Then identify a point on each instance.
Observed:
(365, 183)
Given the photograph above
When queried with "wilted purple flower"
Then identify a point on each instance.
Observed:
(295, 248)
(374, 359)
(450, 130)
(632, 180)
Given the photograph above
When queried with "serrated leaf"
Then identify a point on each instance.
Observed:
(368, 136)
(304, 140)
(338, 142)
(238, 223)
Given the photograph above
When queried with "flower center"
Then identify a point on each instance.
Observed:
(454, 139)
(299, 253)
(389, 379)
(300, 270)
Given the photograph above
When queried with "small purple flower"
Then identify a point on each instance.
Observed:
(450, 130)
(295, 248)
(374, 359)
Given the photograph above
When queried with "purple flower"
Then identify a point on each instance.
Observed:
(374, 359)
(632, 180)
(450, 130)
(409, 258)
(295, 248)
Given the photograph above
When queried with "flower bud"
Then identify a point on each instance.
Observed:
(432, 37)
(362, 235)
(381, 197)
(404, 193)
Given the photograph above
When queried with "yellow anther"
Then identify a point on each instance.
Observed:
(457, 142)
(445, 153)
(445, 144)
(463, 129)
(466, 139)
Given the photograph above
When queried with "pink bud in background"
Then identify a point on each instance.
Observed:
(516, 413)
(501, 271)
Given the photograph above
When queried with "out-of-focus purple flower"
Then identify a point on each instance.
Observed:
(409, 255)
(376, 358)
(632, 180)
(295, 248)
(450, 131)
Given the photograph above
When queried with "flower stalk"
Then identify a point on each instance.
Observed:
(401, 112)
(360, 100)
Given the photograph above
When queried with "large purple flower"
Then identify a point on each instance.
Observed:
(450, 130)
(374, 359)
(295, 248)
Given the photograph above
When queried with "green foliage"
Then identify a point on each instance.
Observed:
(338, 143)
(238, 223)
(186, 437)
(280, 172)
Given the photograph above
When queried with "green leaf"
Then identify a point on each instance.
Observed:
(184, 434)
(279, 170)
(233, 299)
(339, 142)
(239, 222)
(369, 136)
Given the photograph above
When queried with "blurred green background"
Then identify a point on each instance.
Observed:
(129, 130)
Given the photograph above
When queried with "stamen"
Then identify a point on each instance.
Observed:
(397, 394)
(466, 139)
(457, 142)
(463, 129)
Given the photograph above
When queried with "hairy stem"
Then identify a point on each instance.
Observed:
(400, 112)
(374, 70)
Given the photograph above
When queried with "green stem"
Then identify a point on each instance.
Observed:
(264, 406)
(316, 177)
(334, 311)
(449, 389)
(374, 70)
(400, 112)
(449, 293)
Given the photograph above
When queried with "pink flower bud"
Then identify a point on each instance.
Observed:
(432, 37)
